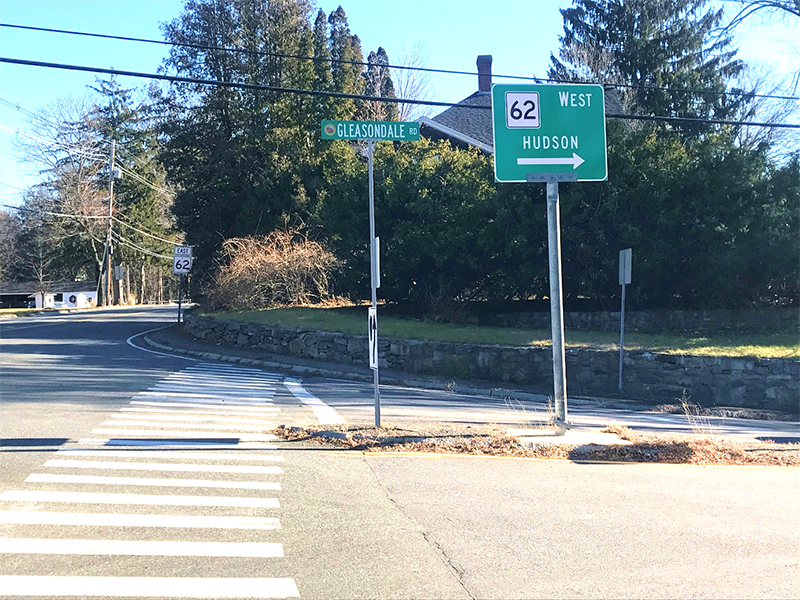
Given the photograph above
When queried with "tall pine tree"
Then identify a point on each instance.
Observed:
(657, 46)
(378, 83)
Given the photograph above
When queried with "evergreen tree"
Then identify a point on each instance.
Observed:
(657, 46)
(345, 52)
(378, 83)
(323, 75)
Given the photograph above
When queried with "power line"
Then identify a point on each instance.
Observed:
(53, 214)
(300, 91)
(16, 107)
(119, 239)
(85, 154)
(69, 149)
(230, 84)
(368, 64)
(141, 179)
(249, 52)
(121, 222)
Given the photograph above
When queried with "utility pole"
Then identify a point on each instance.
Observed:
(107, 300)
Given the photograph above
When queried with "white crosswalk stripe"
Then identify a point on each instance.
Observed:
(36, 517)
(267, 426)
(173, 454)
(157, 587)
(147, 499)
(140, 548)
(210, 444)
(238, 399)
(151, 481)
(214, 418)
(209, 420)
(210, 405)
(247, 437)
(183, 467)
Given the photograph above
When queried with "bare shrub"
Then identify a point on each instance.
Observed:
(282, 268)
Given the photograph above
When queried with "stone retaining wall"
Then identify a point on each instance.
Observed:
(703, 322)
(772, 384)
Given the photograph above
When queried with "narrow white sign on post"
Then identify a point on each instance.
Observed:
(625, 257)
(625, 266)
(377, 262)
(372, 324)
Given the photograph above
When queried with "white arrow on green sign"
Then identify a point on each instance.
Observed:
(552, 128)
(396, 131)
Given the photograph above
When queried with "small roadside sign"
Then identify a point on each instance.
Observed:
(549, 128)
(625, 266)
(372, 323)
(182, 260)
(181, 265)
(393, 131)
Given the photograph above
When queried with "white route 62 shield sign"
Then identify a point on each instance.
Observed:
(181, 265)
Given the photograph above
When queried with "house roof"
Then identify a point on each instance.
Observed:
(19, 288)
(468, 125)
(473, 126)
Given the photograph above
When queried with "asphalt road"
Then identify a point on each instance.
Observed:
(129, 472)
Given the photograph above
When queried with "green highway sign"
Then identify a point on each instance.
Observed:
(549, 128)
(395, 131)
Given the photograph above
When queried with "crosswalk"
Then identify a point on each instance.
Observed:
(188, 472)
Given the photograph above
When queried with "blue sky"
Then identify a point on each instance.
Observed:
(519, 34)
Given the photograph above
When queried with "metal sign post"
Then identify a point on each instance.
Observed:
(556, 296)
(373, 268)
(624, 279)
(550, 133)
(180, 295)
(371, 131)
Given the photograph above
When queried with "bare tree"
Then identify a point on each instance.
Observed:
(777, 11)
(412, 84)
(63, 146)
(780, 8)
(768, 103)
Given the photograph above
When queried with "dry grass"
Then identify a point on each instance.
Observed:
(727, 412)
(493, 440)
(282, 268)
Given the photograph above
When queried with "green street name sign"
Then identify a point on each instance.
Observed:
(396, 131)
(554, 128)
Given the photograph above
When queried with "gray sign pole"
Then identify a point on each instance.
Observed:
(373, 275)
(556, 301)
(180, 295)
(621, 335)
(556, 307)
